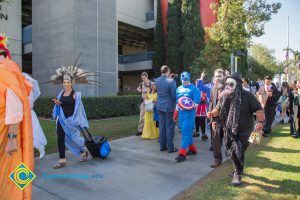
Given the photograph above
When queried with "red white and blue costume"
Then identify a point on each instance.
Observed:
(187, 98)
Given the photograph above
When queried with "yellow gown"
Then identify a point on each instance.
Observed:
(150, 131)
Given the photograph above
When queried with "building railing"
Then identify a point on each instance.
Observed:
(150, 16)
(138, 57)
(27, 34)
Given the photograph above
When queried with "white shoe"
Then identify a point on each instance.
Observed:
(42, 152)
(236, 180)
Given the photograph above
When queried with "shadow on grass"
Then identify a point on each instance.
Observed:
(280, 150)
(280, 131)
(273, 177)
(266, 163)
(284, 186)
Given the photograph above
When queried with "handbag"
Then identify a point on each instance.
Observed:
(149, 105)
(255, 137)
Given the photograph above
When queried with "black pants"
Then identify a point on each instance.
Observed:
(217, 136)
(237, 164)
(270, 112)
(61, 141)
(292, 125)
(157, 124)
(200, 122)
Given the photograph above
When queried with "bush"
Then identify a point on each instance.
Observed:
(96, 107)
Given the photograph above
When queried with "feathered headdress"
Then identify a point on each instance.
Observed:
(3, 45)
(73, 73)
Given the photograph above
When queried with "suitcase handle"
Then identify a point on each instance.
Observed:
(84, 135)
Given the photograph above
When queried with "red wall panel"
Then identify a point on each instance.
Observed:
(164, 8)
(206, 13)
(207, 16)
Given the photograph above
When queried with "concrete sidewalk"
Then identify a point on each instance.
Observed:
(135, 169)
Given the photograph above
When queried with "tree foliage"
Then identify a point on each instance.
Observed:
(159, 43)
(262, 62)
(174, 54)
(239, 20)
(192, 31)
(212, 57)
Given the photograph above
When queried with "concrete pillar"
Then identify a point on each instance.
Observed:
(64, 29)
(11, 26)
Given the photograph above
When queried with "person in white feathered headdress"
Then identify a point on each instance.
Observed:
(69, 112)
(39, 139)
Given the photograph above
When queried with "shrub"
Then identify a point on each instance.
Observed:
(96, 107)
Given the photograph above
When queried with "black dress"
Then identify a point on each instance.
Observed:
(68, 106)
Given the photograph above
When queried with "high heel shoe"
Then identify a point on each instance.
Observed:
(84, 156)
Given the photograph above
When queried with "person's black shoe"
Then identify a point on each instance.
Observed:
(138, 133)
(211, 148)
(215, 164)
(196, 134)
(190, 153)
(180, 158)
(282, 121)
(173, 150)
(163, 149)
(204, 137)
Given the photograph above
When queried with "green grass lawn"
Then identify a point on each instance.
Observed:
(113, 128)
(272, 172)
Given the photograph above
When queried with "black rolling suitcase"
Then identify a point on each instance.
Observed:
(98, 146)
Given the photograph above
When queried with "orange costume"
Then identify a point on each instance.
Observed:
(13, 82)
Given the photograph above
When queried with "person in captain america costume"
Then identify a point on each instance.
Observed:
(187, 98)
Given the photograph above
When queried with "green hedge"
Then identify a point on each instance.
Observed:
(96, 107)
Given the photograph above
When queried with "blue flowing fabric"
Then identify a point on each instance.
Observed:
(155, 114)
(70, 125)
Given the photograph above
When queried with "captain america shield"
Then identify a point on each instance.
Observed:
(186, 103)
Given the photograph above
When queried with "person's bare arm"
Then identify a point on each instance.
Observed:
(12, 144)
(139, 89)
(260, 117)
(213, 113)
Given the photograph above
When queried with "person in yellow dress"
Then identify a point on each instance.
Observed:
(150, 130)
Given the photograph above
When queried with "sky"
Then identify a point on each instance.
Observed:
(276, 29)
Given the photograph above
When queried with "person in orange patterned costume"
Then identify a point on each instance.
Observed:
(16, 141)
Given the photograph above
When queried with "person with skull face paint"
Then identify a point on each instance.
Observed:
(188, 98)
(235, 109)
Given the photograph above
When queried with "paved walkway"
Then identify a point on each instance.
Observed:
(135, 169)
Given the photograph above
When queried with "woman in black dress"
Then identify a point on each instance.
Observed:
(67, 130)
